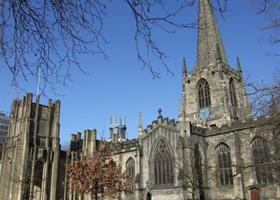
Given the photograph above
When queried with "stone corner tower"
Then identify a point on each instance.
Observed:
(213, 93)
(31, 153)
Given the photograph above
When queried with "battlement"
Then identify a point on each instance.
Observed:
(86, 145)
(171, 123)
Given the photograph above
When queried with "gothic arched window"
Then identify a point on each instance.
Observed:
(130, 167)
(203, 93)
(224, 164)
(232, 93)
(260, 154)
(163, 164)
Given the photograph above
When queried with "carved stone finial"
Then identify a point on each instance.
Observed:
(239, 70)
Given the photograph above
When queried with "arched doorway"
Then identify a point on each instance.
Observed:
(149, 196)
(254, 193)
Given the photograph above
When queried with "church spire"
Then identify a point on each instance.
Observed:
(209, 40)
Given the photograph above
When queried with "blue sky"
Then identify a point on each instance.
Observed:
(120, 86)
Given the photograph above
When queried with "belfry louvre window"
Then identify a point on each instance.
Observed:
(203, 93)
(224, 165)
(130, 167)
(261, 160)
(232, 93)
(163, 164)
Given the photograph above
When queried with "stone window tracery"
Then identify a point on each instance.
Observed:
(203, 94)
(260, 153)
(163, 164)
(224, 165)
(130, 167)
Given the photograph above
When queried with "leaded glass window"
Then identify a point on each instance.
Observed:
(203, 94)
(130, 167)
(224, 165)
(260, 153)
(163, 164)
(232, 93)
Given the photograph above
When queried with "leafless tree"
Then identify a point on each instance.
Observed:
(191, 174)
(266, 105)
(47, 37)
(270, 9)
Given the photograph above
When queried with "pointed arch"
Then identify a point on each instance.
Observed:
(260, 159)
(203, 90)
(224, 170)
(149, 196)
(130, 167)
(162, 164)
(232, 93)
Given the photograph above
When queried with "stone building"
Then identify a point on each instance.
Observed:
(4, 124)
(32, 160)
(214, 150)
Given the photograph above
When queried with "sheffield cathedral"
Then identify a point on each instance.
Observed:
(214, 150)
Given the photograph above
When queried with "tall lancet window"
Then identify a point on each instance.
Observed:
(224, 165)
(163, 164)
(203, 93)
(232, 93)
(130, 167)
(260, 153)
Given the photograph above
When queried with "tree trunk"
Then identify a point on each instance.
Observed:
(93, 196)
(96, 192)
(193, 194)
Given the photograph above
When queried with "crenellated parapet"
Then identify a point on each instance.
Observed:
(83, 146)
(160, 121)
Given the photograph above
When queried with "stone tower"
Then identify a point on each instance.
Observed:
(118, 129)
(31, 154)
(213, 93)
(80, 147)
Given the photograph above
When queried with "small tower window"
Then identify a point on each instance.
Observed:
(203, 94)
(261, 160)
(232, 93)
(224, 165)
